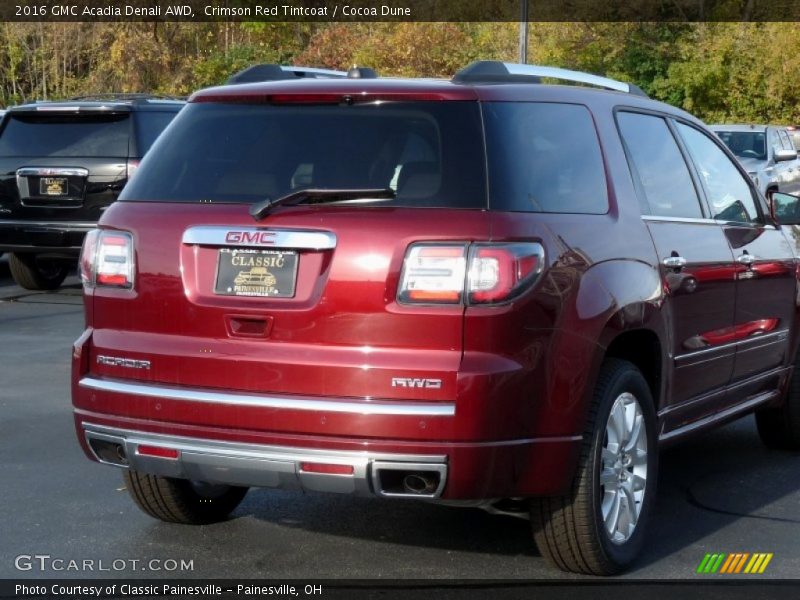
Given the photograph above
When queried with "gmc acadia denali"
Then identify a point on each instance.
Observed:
(486, 291)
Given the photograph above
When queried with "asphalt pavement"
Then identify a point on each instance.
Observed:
(720, 493)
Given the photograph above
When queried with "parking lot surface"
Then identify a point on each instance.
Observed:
(720, 493)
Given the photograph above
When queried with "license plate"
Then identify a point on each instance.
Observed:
(265, 273)
(53, 186)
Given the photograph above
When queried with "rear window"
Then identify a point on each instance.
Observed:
(149, 125)
(745, 144)
(544, 157)
(66, 135)
(430, 153)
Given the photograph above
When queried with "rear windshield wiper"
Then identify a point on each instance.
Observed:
(319, 196)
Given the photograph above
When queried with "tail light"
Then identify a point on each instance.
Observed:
(107, 259)
(132, 166)
(434, 274)
(499, 272)
(478, 274)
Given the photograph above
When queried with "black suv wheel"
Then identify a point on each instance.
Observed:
(779, 427)
(33, 273)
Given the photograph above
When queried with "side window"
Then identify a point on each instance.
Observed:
(786, 144)
(774, 140)
(729, 193)
(660, 166)
(544, 157)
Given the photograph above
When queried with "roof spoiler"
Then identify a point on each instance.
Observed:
(272, 72)
(493, 71)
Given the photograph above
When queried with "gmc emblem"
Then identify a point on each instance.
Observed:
(414, 382)
(250, 237)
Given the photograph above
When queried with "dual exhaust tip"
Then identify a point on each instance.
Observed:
(404, 482)
(422, 484)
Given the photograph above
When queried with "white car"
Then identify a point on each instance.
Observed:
(767, 152)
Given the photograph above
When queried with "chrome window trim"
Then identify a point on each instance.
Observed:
(215, 235)
(365, 407)
(696, 220)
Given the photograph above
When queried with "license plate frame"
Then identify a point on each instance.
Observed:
(54, 187)
(256, 273)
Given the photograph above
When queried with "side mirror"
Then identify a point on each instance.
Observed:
(782, 155)
(785, 208)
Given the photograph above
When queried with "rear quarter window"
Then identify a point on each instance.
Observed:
(66, 135)
(544, 157)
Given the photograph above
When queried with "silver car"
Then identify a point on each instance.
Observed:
(767, 152)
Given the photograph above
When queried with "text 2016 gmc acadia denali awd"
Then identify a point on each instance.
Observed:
(471, 290)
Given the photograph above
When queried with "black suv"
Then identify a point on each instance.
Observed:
(61, 165)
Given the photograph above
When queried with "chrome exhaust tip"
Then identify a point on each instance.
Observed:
(420, 483)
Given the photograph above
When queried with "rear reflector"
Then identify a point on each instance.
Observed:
(132, 166)
(327, 469)
(158, 451)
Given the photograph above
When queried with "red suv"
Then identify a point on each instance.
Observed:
(487, 291)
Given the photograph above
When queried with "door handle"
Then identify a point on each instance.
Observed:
(674, 262)
(746, 259)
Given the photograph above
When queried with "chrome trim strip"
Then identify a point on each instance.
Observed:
(218, 235)
(757, 400)
(722, 391)
(366, 407)
(256, 450)
(62, 224)
(257, 465)
(52, 172)
(567, 75)
(778, 335)
(679, 220)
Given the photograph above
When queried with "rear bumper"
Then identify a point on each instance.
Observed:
(254, 465)
(262, 440)
(43, 236)
(460, 470)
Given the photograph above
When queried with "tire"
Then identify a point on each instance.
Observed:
(182, 501)
(779, 427)
(33, 274)
(570, 531)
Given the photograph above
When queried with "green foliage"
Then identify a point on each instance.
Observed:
(718, 71)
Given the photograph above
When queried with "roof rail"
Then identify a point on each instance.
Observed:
(493, 71)
(122, 97)
(272, 72)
